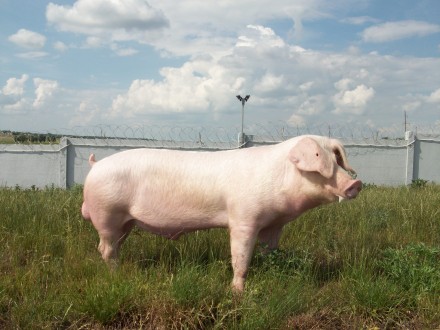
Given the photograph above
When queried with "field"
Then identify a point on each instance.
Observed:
(372, 263)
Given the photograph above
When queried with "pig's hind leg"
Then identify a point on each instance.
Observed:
(112, 231)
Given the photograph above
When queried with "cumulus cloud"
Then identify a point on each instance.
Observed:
(434, 97)
(313, 105)
(197, 86)
(290, 85)
(118, 19)
(412, 105)
(269, 82)
(351, 100)
(28, 39)
(256, 33)
(391, 31)
(12, 95)
(60, 46)
(197, 26)
(206, 83)
(85, 113)
(44, 89)
(15, 86)
(296, 121)
(290, 82)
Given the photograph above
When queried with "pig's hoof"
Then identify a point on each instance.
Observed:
(112, 264)
(237, 288)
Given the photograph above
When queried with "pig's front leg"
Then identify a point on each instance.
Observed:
(243, 240)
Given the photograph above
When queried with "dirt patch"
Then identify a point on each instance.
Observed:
(329, 320)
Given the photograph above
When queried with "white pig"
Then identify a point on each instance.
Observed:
(253, 192)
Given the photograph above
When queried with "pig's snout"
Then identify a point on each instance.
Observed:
(353, 189)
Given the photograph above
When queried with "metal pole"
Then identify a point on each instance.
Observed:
(242, 123)
(243, 100)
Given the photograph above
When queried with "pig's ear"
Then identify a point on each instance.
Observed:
(309, 156)
(341, 157)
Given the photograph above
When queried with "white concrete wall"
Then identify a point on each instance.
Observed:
(389, 163)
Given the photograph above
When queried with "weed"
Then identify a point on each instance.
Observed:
(372, 262)
(418, 183)
(415, 267)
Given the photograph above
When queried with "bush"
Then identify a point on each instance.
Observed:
(419, 183)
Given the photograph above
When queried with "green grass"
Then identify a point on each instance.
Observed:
(370, 263)
(6, 139)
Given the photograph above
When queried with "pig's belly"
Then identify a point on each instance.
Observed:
(173, 227)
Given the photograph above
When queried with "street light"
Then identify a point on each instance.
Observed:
(243, 100)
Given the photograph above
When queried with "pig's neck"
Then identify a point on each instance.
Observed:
(301, 204)
(299, 194)
(304, 197)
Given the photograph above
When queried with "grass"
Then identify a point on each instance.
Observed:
(6, 139)
(372, 263)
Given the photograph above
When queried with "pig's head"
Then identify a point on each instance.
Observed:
(324, 170)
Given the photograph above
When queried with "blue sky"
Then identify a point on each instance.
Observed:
(181, 63)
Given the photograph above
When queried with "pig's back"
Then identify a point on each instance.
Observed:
(160, 173)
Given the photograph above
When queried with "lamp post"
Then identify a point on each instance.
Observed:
(243, 100)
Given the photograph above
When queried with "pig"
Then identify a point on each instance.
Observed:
(252, 192)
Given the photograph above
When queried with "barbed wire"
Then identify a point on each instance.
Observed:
(218, 137)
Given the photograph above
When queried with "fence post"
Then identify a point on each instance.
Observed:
(63, 162)
(410, 141)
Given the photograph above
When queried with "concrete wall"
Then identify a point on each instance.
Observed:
(380, 165)
(427, 160)
(391, 163)
(27, 166)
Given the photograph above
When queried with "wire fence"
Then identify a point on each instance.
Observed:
(221, 137)
(60, 158)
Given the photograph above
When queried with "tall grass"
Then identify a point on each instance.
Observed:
(371, 262)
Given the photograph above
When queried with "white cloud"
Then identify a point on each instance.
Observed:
(12, 95)
(296, 121)
(306, 86)
(391, 31)
(85, 113)
(360, 20)
(15, 86)
(267, 34)
(123, 51)
(285, 81)
(17, 107)
(412, 105)
(94, 42)
(197, 86)
(117, 19)
(32, 55)
(351, 100)
(313, 105)
(28, 39)
(205, 83)
(60, 46)
(434, 97)
(44, 89)
(269, 82)
(182, 28)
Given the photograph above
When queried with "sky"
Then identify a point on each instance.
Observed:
(85, 63)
